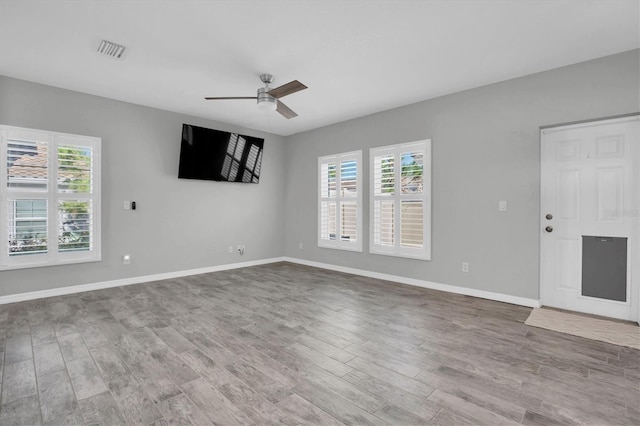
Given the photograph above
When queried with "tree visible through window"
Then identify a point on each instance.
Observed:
(74, 216)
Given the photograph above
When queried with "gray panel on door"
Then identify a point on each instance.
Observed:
(604, 267)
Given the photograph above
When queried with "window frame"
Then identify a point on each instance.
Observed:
(338, 242)
(52, 195)
(423, 253)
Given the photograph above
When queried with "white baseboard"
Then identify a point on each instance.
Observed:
(499, 297)
(20, 297)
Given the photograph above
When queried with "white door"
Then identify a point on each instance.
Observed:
(590, 187)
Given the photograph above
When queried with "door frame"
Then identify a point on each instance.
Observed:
(634, 285)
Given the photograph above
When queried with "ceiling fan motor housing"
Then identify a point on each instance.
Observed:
(265, 100)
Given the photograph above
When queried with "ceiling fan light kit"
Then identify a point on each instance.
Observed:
(265, 100)
(268, 98)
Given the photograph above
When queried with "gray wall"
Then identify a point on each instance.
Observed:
(485, 148)
(179, 224)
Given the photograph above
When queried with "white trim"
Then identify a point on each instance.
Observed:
(499, 297)
(589, 123)
(20, 297)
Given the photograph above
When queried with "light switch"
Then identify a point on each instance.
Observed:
(502, 206)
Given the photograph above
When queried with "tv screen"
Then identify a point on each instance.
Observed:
(209, 154)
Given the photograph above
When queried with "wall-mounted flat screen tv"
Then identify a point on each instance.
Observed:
(209, 154)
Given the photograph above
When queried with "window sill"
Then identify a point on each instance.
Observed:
(46, 264)
(421, 256)
(340, 247)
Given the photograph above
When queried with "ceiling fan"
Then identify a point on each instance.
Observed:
(270, 98)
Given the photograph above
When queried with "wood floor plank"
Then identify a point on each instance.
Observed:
(254, 405)
(48, 358)
(72, 347)
(57, 399)
(386, 361)
(398, 416)
(153, 380)
(73, 419)
(179, 410)
(268, 387)
(214, 404)
(340, 408)
(403, 382)
(319, 359)
(18, 381)
(108, 363)
(301, 409)
(85, 378)
(18, 348)
(325, 348)
(135, 405)
(92, 334)
(324, 336)
(290, 344)
(43, 334)
(346, 390)
(101, 410)
(174, 367)
(270, 367)
(22, 411)
(468, 410)
(173, 339)
(420, 406)
(206, 367)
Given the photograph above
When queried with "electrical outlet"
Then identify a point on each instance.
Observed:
(126, 259)
(127, 205)
(465, 266)
(241, 249)
(230, 249)
(299, 246)
(502, 206)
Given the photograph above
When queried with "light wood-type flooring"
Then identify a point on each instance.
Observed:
(286, 344)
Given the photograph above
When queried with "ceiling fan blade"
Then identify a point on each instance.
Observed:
(285, 110)
(230, 97)
(287, 89)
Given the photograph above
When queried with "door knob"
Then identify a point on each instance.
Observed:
(549, 216)
(549, 229)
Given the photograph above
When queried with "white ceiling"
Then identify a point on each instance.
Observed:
(357, 57)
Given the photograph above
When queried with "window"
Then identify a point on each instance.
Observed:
(401, 200)
(340, 201)
(50, 198)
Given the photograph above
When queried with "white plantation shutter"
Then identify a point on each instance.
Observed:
(400, 200)
(27, 226)
(340, 201)
(27, 165)
(50, 190)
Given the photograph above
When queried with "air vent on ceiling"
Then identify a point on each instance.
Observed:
(111, 49)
